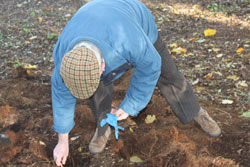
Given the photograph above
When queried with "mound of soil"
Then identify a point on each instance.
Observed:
(26, 116)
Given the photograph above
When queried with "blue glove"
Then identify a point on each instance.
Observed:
(112, 120)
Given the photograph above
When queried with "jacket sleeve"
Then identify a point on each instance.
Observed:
(63, 103)
(142, 84)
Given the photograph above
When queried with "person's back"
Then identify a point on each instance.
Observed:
(119, 26)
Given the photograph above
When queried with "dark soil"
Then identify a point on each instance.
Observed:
(28, 32)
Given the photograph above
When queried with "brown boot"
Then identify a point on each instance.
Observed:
(98, 143)
(207, 124)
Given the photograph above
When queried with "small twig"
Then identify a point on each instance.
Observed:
(146, 155)
(155, 141)
(48, 161)
(86, 153)
(33, 164)
(73, 163)
(229, 115)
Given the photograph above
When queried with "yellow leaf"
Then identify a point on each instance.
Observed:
(131, 129)
(176, 12)
(190, 54)
(233, 77)
(30, 66)
(218, 73)
(176, 50)
(179, 50)
(209, 32)
(40, 19)
(182, 50)
(27, 42)
(240, 50)
(150, 119)
(174, 45)
(79, 149)
(162, 5)
(196, 6)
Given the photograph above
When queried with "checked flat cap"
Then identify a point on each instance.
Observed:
(80, 72)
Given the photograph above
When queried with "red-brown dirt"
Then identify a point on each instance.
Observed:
(165, 142)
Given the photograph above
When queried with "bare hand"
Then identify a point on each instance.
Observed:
(61, 151)
(120, 114)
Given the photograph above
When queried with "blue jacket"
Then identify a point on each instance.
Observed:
(124, 31)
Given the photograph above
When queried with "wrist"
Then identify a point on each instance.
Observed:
(63, 138)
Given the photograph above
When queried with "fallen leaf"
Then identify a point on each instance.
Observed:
(19, 5)
(233, 77)
(200, 40)
(52, 36)
(219, 55)
(227, 101)
(195, 6)
(74, 138)
(150, 119)
(136, 159)
(182, 50)
(179, 50)
(42, 143)
(246, 114)
(33, 37)
(218, 73)
(79, 149)
(242, 83)
(195, 82)
(193, 39)
(240, 50)
(131, 130)
(68, 15)
(29, 66)
(176, 50)
(209, 32)
(27, 42)
(40, 19)
(199, 89)
(174, 45)
(176, 12)
(187, 55)
(190, 54)
(209, 75)
(28, 72)
(216, 49)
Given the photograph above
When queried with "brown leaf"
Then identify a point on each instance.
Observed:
(209, 75)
